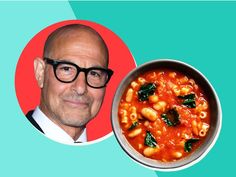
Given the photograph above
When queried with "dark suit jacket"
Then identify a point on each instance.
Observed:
(32, 121)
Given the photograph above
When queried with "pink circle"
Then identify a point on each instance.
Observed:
(121, 62)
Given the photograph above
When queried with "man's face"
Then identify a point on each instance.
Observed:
(73, 104)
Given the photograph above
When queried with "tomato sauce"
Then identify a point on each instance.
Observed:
(172, 118)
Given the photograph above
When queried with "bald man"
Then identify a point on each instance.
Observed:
(72, 75)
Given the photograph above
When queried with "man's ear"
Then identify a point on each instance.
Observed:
(39, 69)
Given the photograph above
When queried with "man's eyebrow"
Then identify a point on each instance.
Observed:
(64, 60)
(98, 66)
(68, 61)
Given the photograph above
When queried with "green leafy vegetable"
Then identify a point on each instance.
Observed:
(188, 144)
(189, 100)
(150, 140)
(145, 91)
(171, 117)
(134, 124)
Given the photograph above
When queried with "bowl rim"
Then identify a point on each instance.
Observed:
(131, 152)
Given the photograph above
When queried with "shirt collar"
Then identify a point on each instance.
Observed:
(53, 131)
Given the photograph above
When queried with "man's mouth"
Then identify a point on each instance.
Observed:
(76, 103)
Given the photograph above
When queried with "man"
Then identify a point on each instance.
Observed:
(72, 76)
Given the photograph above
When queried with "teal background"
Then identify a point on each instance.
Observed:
(202, 34)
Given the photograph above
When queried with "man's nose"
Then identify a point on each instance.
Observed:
(80, 85)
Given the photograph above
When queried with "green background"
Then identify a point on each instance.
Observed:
(202, 34)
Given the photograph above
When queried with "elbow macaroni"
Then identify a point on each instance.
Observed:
(133, 116)
(141, 80)
(204, 130)
(203, 114)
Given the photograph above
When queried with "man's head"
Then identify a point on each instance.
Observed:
(66, 99)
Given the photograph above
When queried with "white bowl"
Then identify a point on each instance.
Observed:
(215, 119)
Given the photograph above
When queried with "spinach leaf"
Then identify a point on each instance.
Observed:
(145, 91)
(171, 117)
(189, 96)
(134, 124)
(150, 140)
(189, 100)
(188, 144)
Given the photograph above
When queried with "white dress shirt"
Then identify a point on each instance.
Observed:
(53, 131)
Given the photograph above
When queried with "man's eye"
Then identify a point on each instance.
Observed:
(95, 73)
(65, 68)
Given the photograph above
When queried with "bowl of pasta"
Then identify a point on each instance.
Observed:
(166, 115)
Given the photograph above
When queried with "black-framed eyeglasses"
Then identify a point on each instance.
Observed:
(67, 72)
